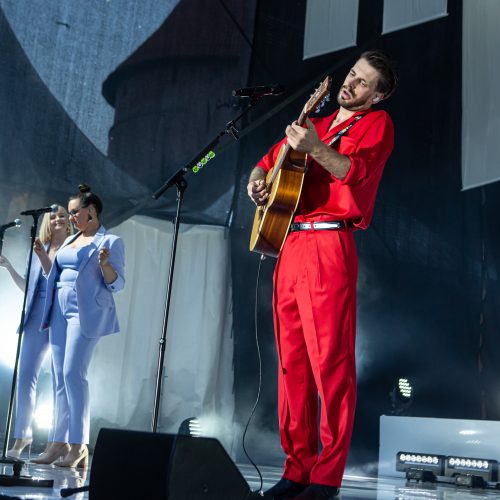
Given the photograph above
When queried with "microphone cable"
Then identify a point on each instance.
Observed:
(259, 491)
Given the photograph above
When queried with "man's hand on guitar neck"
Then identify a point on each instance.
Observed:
(256, 187)
(306, 140)
(303, 139)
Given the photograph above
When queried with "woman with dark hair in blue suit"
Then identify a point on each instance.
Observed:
(79, 309)
(54, 229)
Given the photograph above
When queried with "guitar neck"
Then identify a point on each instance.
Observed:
(301, 120)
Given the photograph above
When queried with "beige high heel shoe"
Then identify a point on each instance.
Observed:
(19, 445)
(55, 451)
(77, 457)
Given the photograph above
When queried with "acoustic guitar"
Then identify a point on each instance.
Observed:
(284, 185)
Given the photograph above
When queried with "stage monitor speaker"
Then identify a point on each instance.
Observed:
(151, 466)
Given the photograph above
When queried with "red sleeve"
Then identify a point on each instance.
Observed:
(370, 153)
(268, 160)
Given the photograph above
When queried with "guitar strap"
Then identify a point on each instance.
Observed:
(344, 131)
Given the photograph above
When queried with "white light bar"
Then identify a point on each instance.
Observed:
(481, 467)
(425, 461)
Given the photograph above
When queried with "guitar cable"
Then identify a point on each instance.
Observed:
(259, 491)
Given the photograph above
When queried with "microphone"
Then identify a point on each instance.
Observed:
(39, 211)
(15, 223)
(259, 91)
(67, 492)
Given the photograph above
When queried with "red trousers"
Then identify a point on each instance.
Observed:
(314, 306)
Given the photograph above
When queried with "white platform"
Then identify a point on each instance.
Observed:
(440, 436)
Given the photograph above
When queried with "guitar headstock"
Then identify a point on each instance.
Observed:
(319, 94)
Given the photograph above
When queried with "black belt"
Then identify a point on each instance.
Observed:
(317, 226)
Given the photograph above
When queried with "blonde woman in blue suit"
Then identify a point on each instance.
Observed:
(79, 309)
(54, 229)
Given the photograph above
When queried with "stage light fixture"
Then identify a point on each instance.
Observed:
(405, 388)
(401, 396)
(190, 427)
(461, 467)
(420, 466)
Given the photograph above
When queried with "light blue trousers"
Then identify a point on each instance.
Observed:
(34, 347)
(71, 355)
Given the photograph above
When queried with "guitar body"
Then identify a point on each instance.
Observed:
(272, 221)
(284, 185)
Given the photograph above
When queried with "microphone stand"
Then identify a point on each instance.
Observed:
(16, 479)
(2, 232)
(177, 180)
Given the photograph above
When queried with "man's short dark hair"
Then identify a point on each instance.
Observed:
(386, 68)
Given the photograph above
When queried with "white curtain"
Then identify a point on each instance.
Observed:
(480, 104)
(399, 14)
(199, 348)
(330, 25)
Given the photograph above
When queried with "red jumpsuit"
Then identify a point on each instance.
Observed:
(314, 301)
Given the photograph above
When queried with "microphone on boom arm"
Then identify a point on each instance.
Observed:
(14, 223)
(259, 91)
(39, 211)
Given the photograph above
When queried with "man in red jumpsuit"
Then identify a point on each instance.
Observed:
(314, 299)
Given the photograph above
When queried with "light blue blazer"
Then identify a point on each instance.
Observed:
(96, 306)
(35, 271)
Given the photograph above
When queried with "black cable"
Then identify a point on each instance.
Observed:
(262, 257)
(238, 26)
(482, 330)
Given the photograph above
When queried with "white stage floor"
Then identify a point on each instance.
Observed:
(354, 487)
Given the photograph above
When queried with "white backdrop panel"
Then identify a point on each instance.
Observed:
(480, 103)
(330, 25)
(399, 14)
(199, 348)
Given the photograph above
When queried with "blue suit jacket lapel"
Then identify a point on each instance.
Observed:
(96, 243)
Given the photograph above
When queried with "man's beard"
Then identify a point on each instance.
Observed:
(352, 103)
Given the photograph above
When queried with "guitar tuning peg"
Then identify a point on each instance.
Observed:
(322, 103)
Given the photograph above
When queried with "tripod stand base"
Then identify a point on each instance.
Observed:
(17, 480)
(6, 480)
(12, 461)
